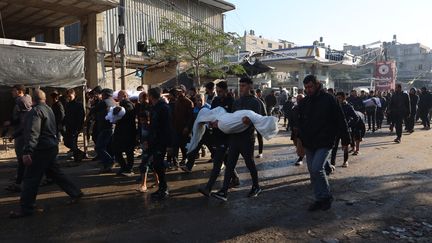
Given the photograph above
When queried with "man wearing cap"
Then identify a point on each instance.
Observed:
(105, 130)
(182, 120)
(242, 143)
(40, 152)
(74, 122)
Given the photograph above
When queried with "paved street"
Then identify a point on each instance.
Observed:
(384, 195)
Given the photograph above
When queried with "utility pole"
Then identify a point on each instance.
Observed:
(122, 43)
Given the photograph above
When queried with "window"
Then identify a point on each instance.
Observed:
(270, 45)
(280, 47)
(262, 42)
(407, 51)
(401, 65)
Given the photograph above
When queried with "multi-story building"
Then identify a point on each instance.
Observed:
(252, 43)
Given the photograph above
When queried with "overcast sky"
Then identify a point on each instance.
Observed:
(337, 21)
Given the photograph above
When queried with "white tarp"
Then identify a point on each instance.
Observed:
(230, 123)
(37, 64)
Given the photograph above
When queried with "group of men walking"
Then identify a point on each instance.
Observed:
(318, 121)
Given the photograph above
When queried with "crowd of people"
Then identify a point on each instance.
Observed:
(159, 123)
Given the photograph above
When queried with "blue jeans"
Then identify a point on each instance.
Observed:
(316, 161)
(102, 143)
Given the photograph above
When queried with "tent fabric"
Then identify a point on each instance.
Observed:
(230, 123)
(41, 65)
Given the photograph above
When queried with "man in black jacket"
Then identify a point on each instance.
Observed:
(40, 154)
(59, 113)
(356, 101)
(125, 135)
(320, 120)
(218, 140)
(242, 143)
(270, 101)
(399, 108)
(160, 139)
(74, 121)
(424, 107)
(410, 120)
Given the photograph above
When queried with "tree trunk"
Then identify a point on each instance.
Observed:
(197, 73)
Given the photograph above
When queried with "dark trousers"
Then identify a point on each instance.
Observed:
(410, 121)
(181, 141)
(371, 118)
(334, 152)
(219, 157)
(71, 142)
(191, 156)
(424, 116)
(159, 166)
(244, 146)
(379, 117)
(103, 143)
(18, 144)
(44, 162)
(118, 155)
(260, 143)
(398, 120)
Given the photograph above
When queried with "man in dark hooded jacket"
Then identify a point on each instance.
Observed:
(321, 120)
(399, 108)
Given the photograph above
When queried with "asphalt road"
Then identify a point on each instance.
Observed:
(384, 195)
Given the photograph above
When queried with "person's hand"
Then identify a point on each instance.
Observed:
(246, 121)
(214, 124)
(6, 123)
(185, 131)
(27, 160)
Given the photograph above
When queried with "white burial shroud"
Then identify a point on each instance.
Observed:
(230, 123)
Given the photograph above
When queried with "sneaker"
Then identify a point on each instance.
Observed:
(329, 169)
(355, 153)
(259, 156)
(255, 191)
(234, 183)
(345, 164)
(221, 195)
(299, 161)
(206, 192)
(185, 169)
(397, 140)
(160, 194)
(128, 173)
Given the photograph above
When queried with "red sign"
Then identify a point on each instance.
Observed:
(385, 76)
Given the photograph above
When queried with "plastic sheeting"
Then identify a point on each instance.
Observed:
(40, 64)
(230, 123)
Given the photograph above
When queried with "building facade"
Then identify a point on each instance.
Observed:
(142, 19)
(252, 43)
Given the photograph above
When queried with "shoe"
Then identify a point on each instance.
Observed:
(299, 161)
(160, 194)
(75, 200)
(315, 206)
(185, 169)
(329, 169)
(182, 162)
(397, 140)
(355, 153)
(128, 173)
(206, 192)
(13, 188)
(345, 164)
(18, 214)
(255, 191)
(259, 156)
(411, 131)
(221, 195)
(234, 183)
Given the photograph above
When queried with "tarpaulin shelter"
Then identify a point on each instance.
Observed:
(37, 64)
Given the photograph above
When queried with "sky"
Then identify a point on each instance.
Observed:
(337, 21)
